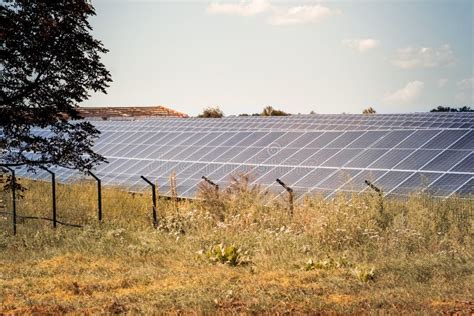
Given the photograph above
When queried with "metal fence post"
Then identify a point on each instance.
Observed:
(290, 195)
(99, 196)
(13, 197)
(379, 192)
(53, 190)
(153, 196)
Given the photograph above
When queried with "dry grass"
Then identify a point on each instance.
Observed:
(341, 255)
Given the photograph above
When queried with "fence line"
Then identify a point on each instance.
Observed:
(428, 202)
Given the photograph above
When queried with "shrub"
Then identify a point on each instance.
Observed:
(270, 111)
(230, 255)
(369, 110)
(212, 112)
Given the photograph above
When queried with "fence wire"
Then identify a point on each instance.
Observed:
(77, 204)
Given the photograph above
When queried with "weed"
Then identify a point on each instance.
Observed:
(364, 274)
(230, 255)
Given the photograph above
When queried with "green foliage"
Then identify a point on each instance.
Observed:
(212, 112)
(230, 255)
(363, 273)
(270, 111)
(50, 64)
(323, 264)
(369, 110)
(450, 109)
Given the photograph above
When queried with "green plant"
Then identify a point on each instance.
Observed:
(230, 255)
(270, 111)
(369, 110)
(44, 78)
(211, 112)
(322, 264)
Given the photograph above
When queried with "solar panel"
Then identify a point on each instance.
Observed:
(401, 153)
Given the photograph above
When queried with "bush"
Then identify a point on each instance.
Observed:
(270, 111)
(369, 110)
(212, 112)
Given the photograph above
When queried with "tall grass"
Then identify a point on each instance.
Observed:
(343, 254)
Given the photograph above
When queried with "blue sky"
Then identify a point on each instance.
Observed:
(299, 56)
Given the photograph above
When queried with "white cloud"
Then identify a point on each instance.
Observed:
(442, 82)
(361, 45)
(408, 93)
(466, 84)
(279, 15)
(243, 8)
(464, 97)
(300, 14)
(424, 57)
(465, 90)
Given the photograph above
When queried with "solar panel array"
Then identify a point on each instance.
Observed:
(314, 122)
(400, 153)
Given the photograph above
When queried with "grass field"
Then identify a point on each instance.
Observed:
(237, 252)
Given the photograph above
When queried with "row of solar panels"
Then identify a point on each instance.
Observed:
(399, 161)
(326, 181)
(292, 148)
(297, 122)
(308, 118)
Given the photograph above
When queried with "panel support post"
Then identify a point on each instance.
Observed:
(379, 192)
(290, 195)
(153, 197)
(215, 185)
(13, 187)
(99, 196)
(53, 194)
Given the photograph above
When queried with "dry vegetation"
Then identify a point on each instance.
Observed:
(237, 252)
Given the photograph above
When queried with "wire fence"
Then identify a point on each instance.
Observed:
(87, 202)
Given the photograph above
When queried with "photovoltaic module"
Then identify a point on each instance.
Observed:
(326, 154)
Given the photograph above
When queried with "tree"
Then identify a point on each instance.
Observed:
(270, 111)
(212, 112)
(49, 65)
(450, 109)
(369, 110)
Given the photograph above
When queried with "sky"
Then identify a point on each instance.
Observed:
(297, 56)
